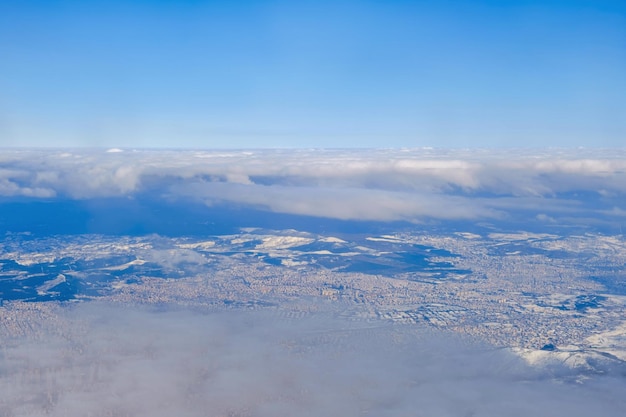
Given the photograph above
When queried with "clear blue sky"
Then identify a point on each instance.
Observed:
(313, 73)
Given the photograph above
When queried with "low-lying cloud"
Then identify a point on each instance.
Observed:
(99, 360)
(357, 184)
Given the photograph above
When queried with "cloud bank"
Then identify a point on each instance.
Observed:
(103, 360)
(409, 185)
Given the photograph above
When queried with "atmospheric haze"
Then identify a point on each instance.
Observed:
(123, 361)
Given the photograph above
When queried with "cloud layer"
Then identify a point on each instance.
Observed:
(103, 360)
(356, 184)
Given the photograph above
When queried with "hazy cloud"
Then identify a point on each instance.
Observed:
(110, 361)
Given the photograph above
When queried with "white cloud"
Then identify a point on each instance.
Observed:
(366, 184)
(340, 203)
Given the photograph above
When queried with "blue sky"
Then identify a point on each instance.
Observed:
(313, 74)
